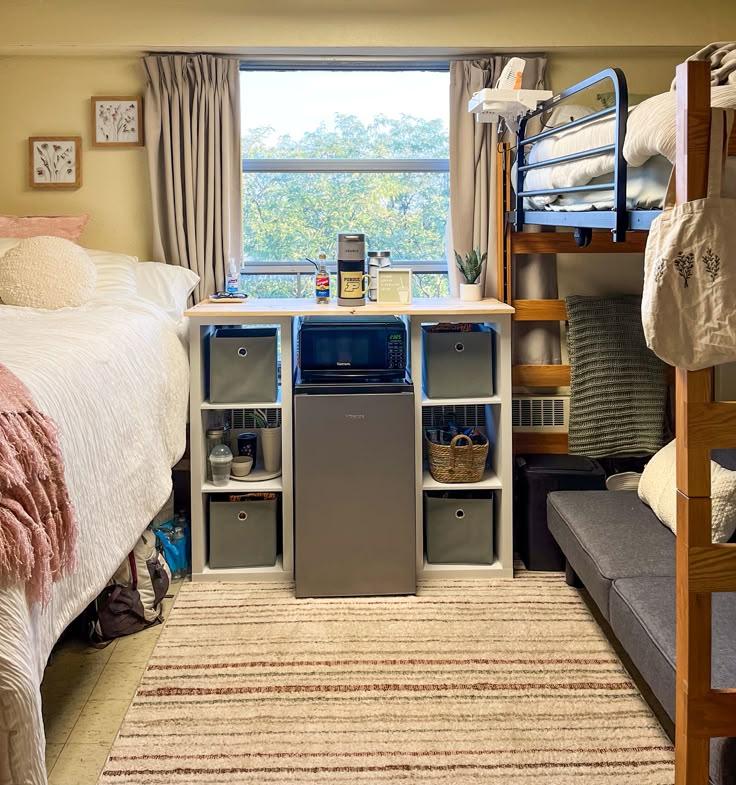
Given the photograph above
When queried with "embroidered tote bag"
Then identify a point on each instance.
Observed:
(689, 299)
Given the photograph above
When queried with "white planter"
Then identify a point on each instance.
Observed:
(269, 442)
(471, 292)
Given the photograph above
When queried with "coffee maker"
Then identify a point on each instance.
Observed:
(352, 281)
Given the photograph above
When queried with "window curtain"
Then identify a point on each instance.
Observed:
(473, 208)
(192, 124)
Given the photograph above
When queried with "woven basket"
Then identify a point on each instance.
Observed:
(457, 461)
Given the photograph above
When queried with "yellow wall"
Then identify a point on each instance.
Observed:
(55, 55)
(206, 24)
(48, 96)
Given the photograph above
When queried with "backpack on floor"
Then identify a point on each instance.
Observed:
(132, 599)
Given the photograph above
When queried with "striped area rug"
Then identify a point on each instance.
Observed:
(468, 682)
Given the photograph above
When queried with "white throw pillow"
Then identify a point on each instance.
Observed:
(658, 489)
(115, 272)
(46, 272)
(6, 243)
(166, 285)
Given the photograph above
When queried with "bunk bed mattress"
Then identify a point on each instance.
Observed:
(113, 375)
(648, 148)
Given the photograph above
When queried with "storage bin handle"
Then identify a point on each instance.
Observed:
(242, 351)
(242, 515)
(459, 346)
(459, 514)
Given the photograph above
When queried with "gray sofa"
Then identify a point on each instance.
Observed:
(625, 557)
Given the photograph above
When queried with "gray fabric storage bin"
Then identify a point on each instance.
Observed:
(243, 365)
(242, 534)
(458, 531)
(458, 364)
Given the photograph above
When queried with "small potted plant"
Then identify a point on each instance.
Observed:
(471, 267)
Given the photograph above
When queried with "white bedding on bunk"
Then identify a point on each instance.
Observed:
(650, 132)
(113, 375)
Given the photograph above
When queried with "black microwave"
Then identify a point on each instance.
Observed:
(365, 346)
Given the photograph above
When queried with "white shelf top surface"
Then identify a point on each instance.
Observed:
(490, 481)
(278, 308)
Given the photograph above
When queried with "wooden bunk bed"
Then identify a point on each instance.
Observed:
(619, 230)
(702, 424)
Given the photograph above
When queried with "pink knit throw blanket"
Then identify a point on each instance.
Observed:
(38, 528)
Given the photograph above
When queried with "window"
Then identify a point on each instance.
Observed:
(328, 151)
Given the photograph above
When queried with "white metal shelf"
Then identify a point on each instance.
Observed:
(274, 485)
(490, 481)
(460, 571)
(275, 573)
(244, 404)
(471, 401)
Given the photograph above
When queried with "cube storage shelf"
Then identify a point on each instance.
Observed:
(493, 411)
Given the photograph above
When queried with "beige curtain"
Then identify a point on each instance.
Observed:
(192, 123)
(473, 214)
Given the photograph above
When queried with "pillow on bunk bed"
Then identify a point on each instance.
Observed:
(658, 489)
(651, 127)
(46, 272)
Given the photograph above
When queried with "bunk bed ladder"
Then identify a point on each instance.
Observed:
(701, 424)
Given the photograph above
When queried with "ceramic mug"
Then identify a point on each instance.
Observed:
(248, 445)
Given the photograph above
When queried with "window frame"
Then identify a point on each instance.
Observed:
(349, 165)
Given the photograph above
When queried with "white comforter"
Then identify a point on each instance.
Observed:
(650, 132)
(113, 375)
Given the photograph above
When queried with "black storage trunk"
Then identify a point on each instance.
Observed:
(534, 477)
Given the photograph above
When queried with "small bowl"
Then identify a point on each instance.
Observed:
(625, 481)
(241, 466)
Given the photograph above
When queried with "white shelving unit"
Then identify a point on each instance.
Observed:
(280, 313)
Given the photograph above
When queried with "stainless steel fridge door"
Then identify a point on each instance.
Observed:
(354, 512)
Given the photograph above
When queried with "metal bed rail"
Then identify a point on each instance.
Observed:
(616, 219)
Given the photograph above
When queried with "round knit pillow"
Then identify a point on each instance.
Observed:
(46, 272)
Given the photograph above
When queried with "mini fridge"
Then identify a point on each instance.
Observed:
(354, 486)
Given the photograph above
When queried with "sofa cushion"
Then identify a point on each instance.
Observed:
(607, 535)
(642, 616)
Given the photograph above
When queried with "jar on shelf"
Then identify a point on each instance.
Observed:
(215, 436)
(376, 260)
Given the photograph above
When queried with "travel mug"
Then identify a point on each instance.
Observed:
(247, 445)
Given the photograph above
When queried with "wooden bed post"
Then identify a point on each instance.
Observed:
(701, 712)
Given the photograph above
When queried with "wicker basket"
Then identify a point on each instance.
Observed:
(457, 462)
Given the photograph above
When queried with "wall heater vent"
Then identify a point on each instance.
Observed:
(548, 413)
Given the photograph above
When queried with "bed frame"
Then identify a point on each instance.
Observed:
(702, 424)
(595, 231)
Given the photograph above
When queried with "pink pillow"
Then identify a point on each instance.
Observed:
(68, 227)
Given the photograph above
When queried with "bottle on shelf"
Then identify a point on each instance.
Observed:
(322, 280)
(232, 282)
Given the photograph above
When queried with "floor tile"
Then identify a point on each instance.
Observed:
(136, 648)
(71, 678)
(118, 681)
(79, 764)
(99, 721)
(52, 753)
(59, 718)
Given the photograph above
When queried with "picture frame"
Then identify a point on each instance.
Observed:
(393, 286)
(117, 120)
(55, 161)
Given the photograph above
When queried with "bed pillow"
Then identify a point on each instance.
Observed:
(6, 243)
(166, 285)
(658, 489)
(115, 272)
(651, 127)
(69, 227)
(46, 272)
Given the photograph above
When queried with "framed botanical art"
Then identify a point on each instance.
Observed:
(55, 161)
(117, 121)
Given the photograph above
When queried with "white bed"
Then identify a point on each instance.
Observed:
(649, 150)
(113, 375)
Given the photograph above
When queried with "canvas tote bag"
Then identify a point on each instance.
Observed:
(689, 299)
